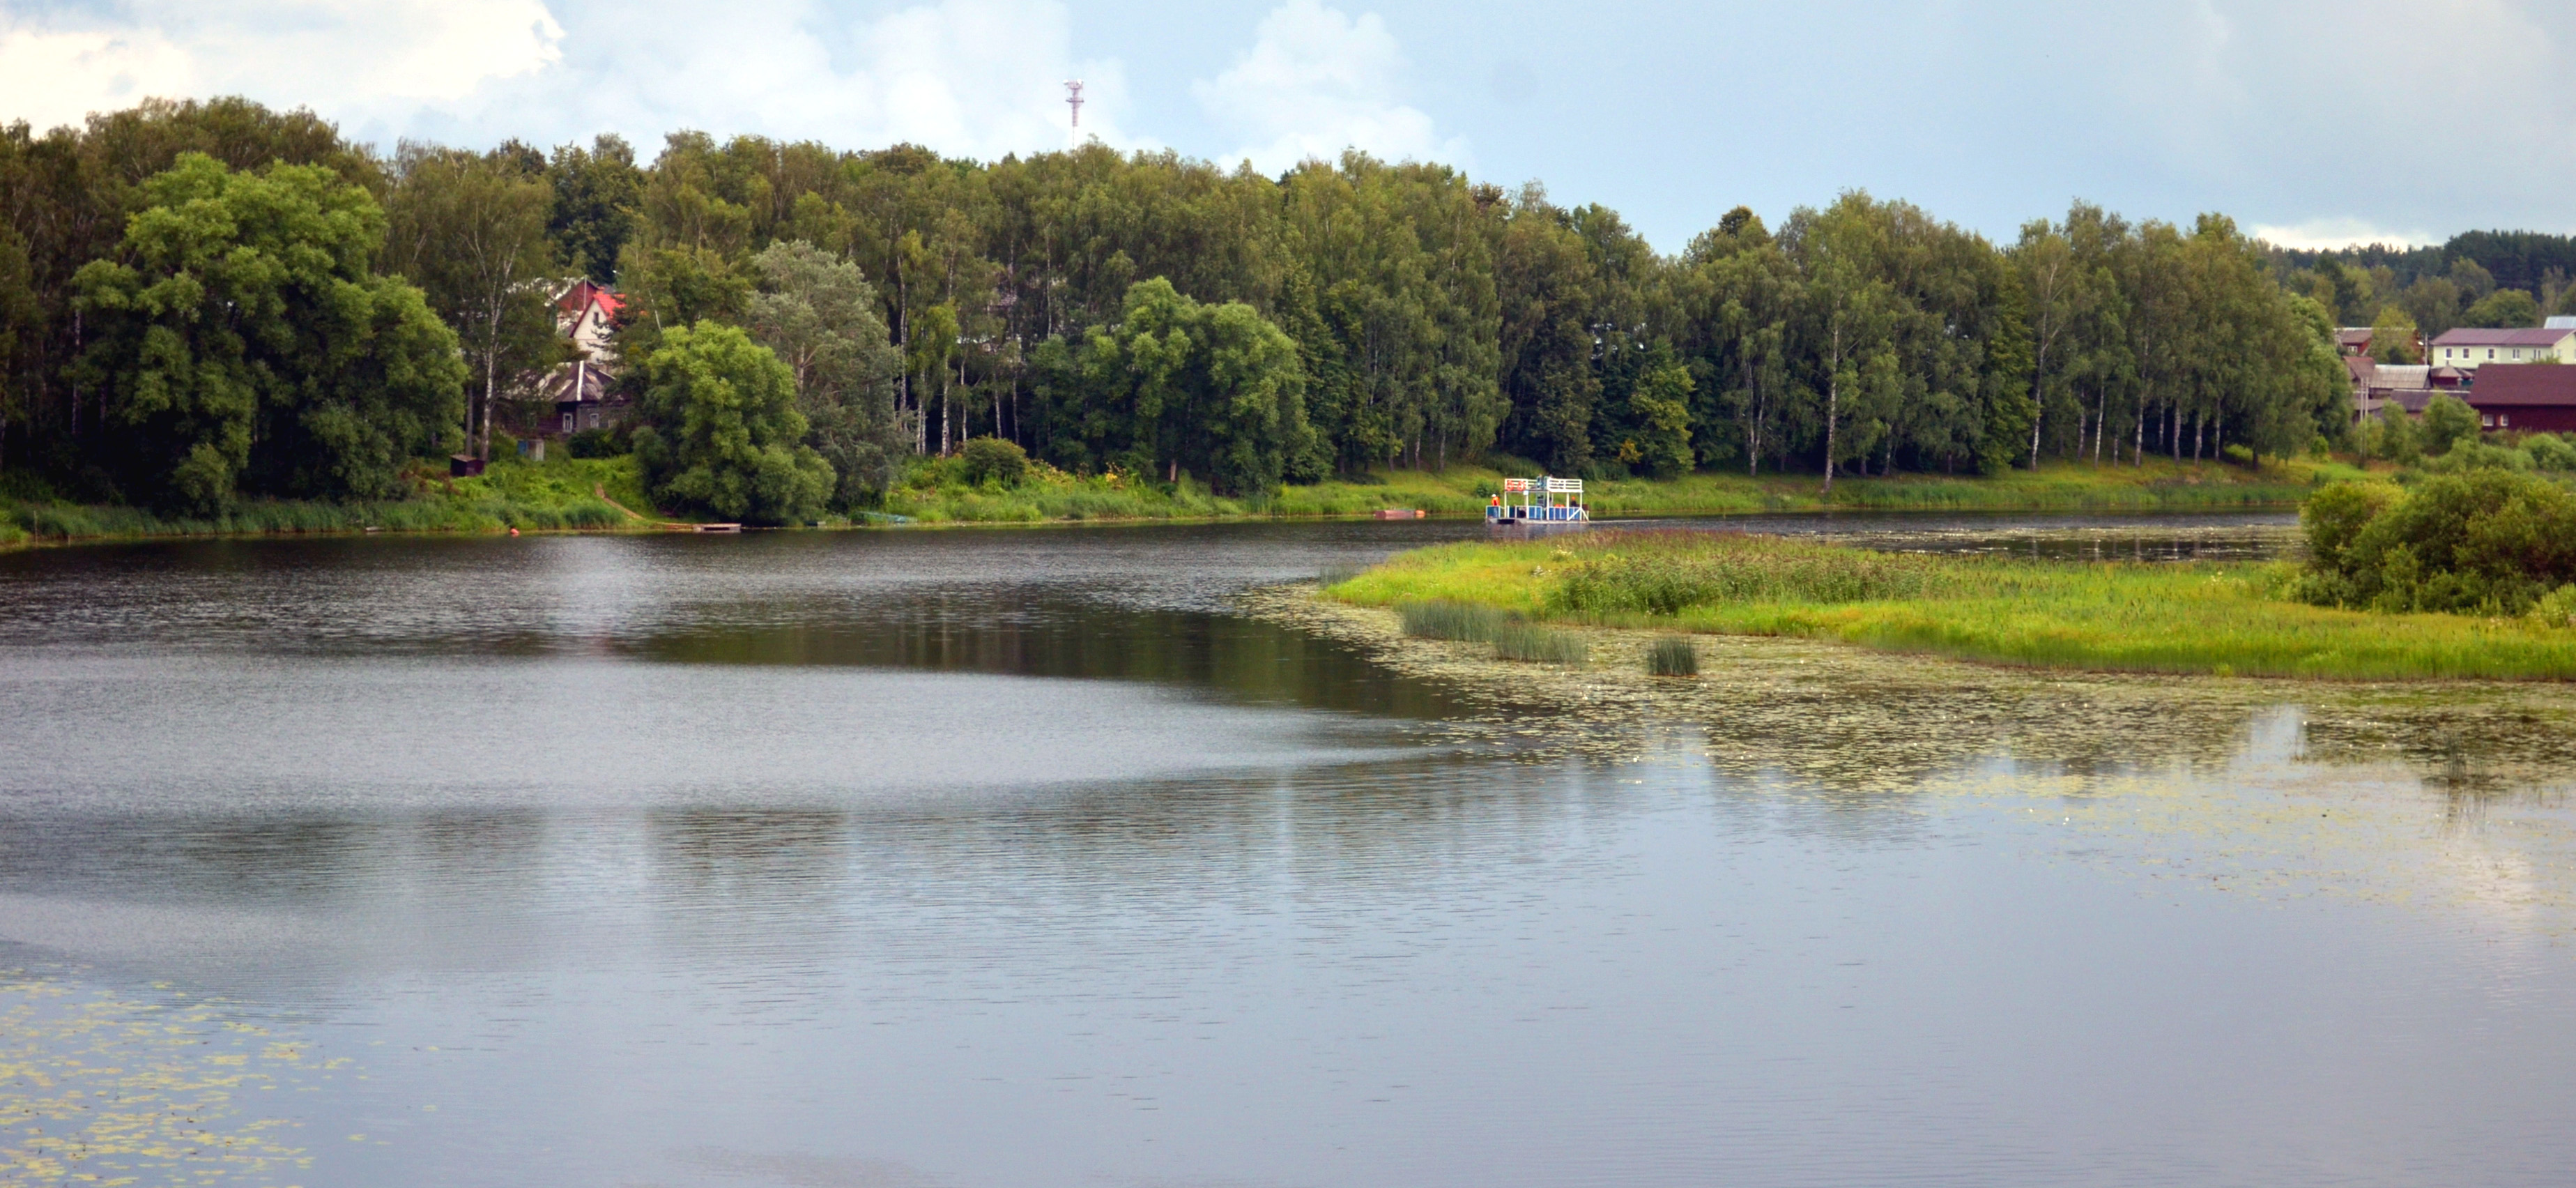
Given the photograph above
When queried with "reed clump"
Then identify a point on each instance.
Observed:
(1672, 656)
(1535, 644)
(1444, 619)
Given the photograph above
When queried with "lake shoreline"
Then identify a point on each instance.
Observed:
(2197, 618)
(605, 496)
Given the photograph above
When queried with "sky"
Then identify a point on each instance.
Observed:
(2311, 122)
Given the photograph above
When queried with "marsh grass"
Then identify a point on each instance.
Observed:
(1442, 619)
(1672, 656)
(1530, 642)
(2174, 617)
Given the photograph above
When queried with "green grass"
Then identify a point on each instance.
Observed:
(935, 491)
(556, 495)
(2207, 618)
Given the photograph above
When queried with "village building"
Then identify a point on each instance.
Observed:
(2467, 350)
(2525, 398)
(2377, 385)
(582, 392)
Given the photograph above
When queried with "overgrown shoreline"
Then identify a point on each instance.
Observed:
(564, 494)
(2177, 618)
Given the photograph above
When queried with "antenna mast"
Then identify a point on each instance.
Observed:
(1073, 99)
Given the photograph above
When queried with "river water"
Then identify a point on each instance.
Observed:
(1028, 857)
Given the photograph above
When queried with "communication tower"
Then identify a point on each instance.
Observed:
(1073, 99)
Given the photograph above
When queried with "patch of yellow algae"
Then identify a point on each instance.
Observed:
(2453, 794)
(101, 1089)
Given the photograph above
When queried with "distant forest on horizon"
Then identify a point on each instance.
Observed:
(1342, 316)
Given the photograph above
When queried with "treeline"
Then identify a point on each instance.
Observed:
(1143, 313)
(2488, 279)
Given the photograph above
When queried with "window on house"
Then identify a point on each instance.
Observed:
(567, 422)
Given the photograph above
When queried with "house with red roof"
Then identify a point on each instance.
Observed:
(2525, 397)
(582, 391)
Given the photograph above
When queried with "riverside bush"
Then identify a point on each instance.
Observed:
(2488, 541)
(2550, 452)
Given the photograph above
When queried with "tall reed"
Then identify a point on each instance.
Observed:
(1672, 656)
(1522, 641)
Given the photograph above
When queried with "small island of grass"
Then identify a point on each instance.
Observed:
(2218, 618)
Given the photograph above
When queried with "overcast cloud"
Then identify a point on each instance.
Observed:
(2314, 121)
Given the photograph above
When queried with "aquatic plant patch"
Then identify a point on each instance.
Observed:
(2175, 617)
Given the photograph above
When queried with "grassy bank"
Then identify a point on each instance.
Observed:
(937, 492)
(557, 495)
(2220, 619)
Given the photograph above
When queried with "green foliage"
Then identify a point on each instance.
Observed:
(2392, 337)
(722, 433)
(818, 315)
(596, 443)
(2504, 309)
(596, 195)
(1659, 406)
(470, 230)
(2548, 451)
(2448, 421)
(1672, 656)
(247, 347)
(1213, 389)
(2489, 541)
(994, 460)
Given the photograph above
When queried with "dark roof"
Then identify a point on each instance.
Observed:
(2353, 336)
(2501, 338)
(2521, 384)
(2360, 368)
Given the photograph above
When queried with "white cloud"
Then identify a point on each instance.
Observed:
(1317, 82)
(2322, 234)
(351, 57)
(974, 77)
(52, 78)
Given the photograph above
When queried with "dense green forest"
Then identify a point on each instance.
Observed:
(205, 301)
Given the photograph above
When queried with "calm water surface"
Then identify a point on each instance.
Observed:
(1003, 858)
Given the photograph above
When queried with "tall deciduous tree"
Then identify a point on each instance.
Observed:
(1175, 385)
(246, 345)
(722, 433)
(819, 317)
(470, 230)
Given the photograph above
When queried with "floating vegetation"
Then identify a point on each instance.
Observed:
(1523, 641)
(1672, 656)
(96, 1088)
(2457, 794)
(1442, 619)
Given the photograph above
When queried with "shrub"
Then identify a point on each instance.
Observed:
(996, 460)
(2477, 455)
(2448, 421)
(595, 443)
(1521, 641)
(2550, 452)
(1672, 656)
(2556, 608)
(2483, 541)
(2238, 454)
(1450, 620)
